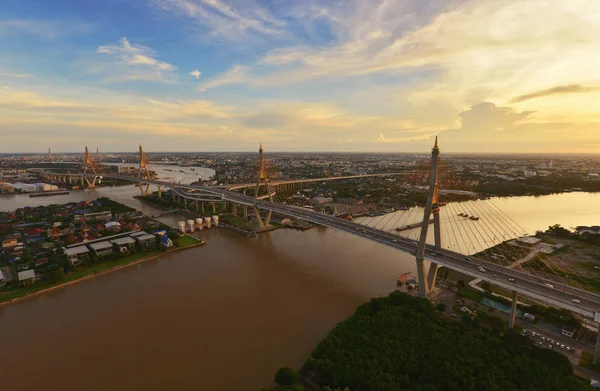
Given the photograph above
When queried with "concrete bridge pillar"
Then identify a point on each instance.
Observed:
(159, 191)
(246, 212)
(513, 311)
(214, 206)
(184, 203)
(196, 202)
(234, 209)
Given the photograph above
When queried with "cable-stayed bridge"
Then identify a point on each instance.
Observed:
(544, 284)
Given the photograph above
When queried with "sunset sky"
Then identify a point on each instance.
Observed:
(300, 75)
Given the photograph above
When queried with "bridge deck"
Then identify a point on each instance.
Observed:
(526, 284)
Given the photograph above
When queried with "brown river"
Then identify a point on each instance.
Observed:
(224, 316)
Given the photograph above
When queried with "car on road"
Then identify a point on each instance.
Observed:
(576, 301)
(549, 286)
(511, 280)
(467, 259)
(493, 275)
(395, 241)
(481, 269)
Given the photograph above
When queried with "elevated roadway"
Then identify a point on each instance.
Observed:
(541, 289)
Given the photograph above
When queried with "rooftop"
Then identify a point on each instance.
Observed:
(76, 250)
(101, 245)
(27, 274)
(143, 238)
(123, 241)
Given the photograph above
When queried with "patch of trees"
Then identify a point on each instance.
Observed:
(401, 343)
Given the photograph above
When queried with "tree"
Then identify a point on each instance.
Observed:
(461, 283)
(286, 376)
(441, 307)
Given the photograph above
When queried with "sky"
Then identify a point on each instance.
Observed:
(300, 75)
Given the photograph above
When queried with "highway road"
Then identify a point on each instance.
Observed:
(529, 285)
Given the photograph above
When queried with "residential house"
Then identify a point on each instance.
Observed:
(125, 244)
(165, 241)
(26, 277)
(74, 254)
(102, 248)
(9, 242)
(147, 240)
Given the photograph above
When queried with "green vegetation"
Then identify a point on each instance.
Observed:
(185, 240)
(401, 343)
(115, 207)
(286, 377)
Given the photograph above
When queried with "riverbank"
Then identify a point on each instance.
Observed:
(92, 272)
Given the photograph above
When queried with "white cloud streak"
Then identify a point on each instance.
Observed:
(224, 19)
(136, 62)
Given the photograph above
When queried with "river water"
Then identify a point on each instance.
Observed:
(224, 316)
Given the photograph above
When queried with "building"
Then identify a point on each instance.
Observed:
(568, 331)
(165, 241)
(6, 188)
(23, 187)
(40, 186)
(98, 216)
(27, 277)
(147, 240)
(138, 233)
(102, 248)
(9, 242)
(74, 254)
(125, 244)
(113, 225)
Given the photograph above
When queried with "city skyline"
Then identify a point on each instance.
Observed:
(356, 76)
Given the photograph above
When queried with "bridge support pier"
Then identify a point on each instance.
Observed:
(246, 212)
(202, 204)
(234, 209)
(196, 202)
(159, 191)
(513, 311)
(185, 203)
(214, 206)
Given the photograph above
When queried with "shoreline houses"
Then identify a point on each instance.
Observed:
(45, 238)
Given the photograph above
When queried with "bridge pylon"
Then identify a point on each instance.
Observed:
(432, 207)
(144, 173)
(263, 179)
(89, 165)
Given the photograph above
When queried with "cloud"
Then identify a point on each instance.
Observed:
(237, 74)
(224, 19)
(135, 62)
(569, 89)
(42, 29)
(12, 75)
(196, 73)
(46, 30)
